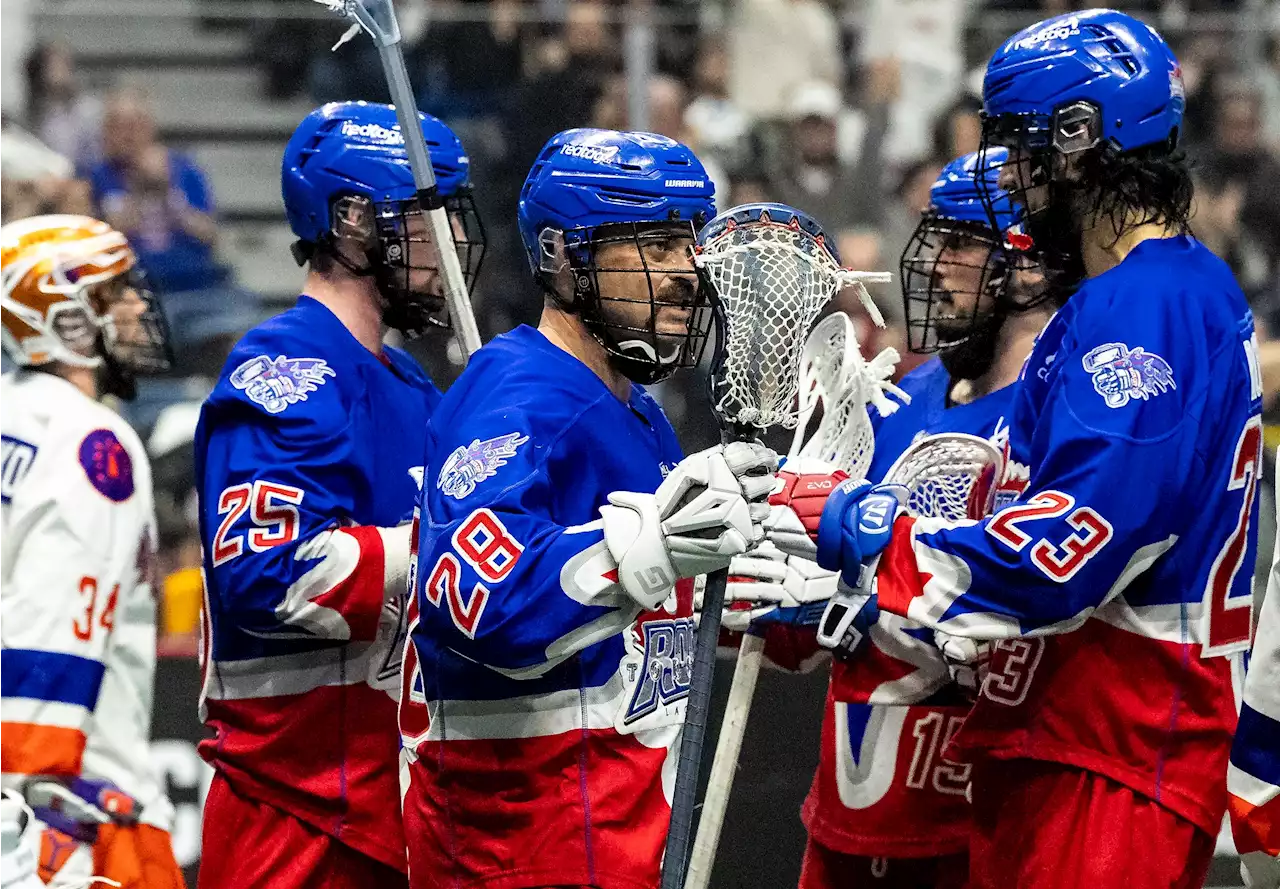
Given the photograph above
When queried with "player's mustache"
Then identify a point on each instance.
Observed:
(678, 292)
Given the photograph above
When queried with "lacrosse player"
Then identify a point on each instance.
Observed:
(308, 461)
(885, 805)
(553, 639)
(1118, 578)
(78, 530)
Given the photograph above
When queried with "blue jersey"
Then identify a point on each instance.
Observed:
(541, 705)
(1121, 571)
(882, 788)
(308, 454)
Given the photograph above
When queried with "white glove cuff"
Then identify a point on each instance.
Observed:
(395, 558)
(633, 533)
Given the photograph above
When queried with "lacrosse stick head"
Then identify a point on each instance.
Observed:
(345, 174)
(950, 475)
(832, 375)
(770, 271)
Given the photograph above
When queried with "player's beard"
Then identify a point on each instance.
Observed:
(973, 357)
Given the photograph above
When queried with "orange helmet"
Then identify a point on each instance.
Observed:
(51, 267)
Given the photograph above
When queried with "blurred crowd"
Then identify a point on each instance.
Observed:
(845, 108)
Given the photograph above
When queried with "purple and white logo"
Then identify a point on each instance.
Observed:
(1121, 374)
(277, 383)
(468, 466)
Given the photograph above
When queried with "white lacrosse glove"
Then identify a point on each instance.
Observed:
(968, 660)
(769, 586)
(1258, 870)
(708, 510)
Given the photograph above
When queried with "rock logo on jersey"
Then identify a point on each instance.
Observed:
(277, 383)
(662, 676)
(470, 465)
(1120, 375)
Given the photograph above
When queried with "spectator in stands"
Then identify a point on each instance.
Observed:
(775, 47)
(1269, 83)
(909, 196)
(157, 197)
(806, 168)
(478, 60)
(923, 39)
(161, 200)
(1237, 156)
(716, 125)
(64, 118)
(570, 71)
(958, 128)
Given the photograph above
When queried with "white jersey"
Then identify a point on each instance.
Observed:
(77, 612)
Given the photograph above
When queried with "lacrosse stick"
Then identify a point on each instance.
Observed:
(951, 476)
(833, 374)
(378, 19)
(769, 280)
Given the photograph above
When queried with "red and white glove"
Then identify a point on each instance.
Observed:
(803, 486)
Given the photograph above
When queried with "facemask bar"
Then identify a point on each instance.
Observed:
(1036, 178)
(626, 323)
(941, 254)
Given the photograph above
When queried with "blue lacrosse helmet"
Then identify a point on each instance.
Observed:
(957, 193)
(592, 188)
(354, 150)
(1114, 63)
(955, 271)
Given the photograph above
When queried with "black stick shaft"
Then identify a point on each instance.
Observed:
(675, 862)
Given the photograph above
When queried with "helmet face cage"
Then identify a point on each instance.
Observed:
(413, 313)
(643, 353)
(147, 350)
(1036, 178)
(939, 316)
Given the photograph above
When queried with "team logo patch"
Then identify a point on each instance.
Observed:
(277, 383)
(107, 464)
(1121, 374)
(469, 465)
(663, 676)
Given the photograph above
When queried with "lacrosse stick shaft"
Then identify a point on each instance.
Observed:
(675, 860)
(724, 766)
(378, 19)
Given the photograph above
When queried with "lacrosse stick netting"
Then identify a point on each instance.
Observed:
(377, 18)
(772, 279)
(951, 475)
(834, 374)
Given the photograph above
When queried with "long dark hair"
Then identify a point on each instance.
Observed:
(1141, 187)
